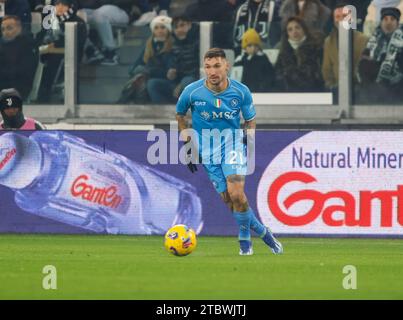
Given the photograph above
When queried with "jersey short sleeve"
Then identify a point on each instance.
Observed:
(183, 104)
(247, 107)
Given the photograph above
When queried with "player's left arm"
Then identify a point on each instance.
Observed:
(249, 114)
(250, 127)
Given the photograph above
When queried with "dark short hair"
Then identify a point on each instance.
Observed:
(12, 17)
(176, 19)
(215, 53)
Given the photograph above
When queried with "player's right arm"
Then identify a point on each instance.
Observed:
(182, 125)
(182, 108)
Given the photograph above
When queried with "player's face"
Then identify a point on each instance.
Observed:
(10, 29)
(251, 49)
(216, 70)
(181, 29)
(61, 9)
(295, 31)
(160, 32)
(389, 24)
(11, 112)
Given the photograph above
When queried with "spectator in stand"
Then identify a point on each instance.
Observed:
(101, 16)
(18, 57)
(261, 15)
(330, 66)
(153, 63)
(19, 8)
(149, 13)
(315, 14)
(213, 10)
(383, 58)
(360, 5)
(52, 45)
(185, 68)
(298, 66)
(373, 17)
(253, 67)
(221, 12)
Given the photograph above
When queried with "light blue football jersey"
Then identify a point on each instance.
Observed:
(211, 110)
(219, 111)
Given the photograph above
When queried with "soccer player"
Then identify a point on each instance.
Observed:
(216, 103)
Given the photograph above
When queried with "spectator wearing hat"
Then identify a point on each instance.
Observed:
(373, 18)
(152, 65)
(330, 65)
(298, 66)
(185, 65)
(383, 56)
(253, 67)
(11, 111)
(18, 57)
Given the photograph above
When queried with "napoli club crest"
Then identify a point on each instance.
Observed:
(234, 102)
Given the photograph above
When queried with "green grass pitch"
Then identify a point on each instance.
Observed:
(134, 267)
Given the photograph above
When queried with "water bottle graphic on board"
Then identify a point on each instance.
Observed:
(59, 176)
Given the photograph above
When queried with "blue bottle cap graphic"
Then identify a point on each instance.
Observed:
(20, 160)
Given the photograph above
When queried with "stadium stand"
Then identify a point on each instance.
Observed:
(97, 88)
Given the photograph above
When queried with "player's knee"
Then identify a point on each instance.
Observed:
(237, 197)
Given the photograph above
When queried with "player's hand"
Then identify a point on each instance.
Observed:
(189, 158)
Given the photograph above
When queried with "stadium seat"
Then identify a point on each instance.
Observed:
(36, 24)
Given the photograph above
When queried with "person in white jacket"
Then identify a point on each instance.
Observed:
(373, 17)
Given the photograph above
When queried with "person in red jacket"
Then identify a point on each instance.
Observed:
(11, 111)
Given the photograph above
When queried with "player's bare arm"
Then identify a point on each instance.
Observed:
(250, 126)
(182, 126)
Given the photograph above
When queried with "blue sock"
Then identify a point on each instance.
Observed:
(256, 225)
(243, 219)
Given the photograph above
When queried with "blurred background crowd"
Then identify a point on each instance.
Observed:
(143, 51)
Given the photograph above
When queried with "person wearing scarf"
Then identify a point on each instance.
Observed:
(373, 17)
(385, 47)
